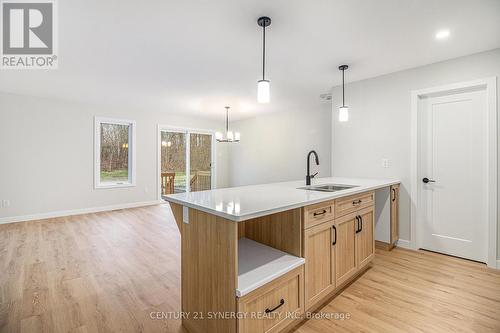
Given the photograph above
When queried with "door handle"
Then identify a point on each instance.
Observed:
(394, 193)
(282, 301)
(427, 180)
(361, 224)
(357, 224)
(335, 233)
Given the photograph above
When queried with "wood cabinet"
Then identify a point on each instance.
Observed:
(319, 252)
(270, 269)
(394, 214)
(353, 203)
(336, 250)
(365, 240)
(345, 249)
(318, 213)
(269, 308)
(355, 246)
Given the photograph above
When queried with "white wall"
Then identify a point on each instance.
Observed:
(274, 147)
(47, 155)
(47, 152)
(379, 126)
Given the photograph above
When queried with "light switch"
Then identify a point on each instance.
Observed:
(385, 163)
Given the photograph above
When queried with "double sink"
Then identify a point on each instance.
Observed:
(327, 187)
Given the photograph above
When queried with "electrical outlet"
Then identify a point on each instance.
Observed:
(385, 163)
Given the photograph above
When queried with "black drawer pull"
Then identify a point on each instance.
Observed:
(394, 192)
(358, 229)
(356, 202)
(282, 301)
(335, 233)
(322, 213)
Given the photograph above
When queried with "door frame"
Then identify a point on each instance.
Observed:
(490, 86)
(187, 131)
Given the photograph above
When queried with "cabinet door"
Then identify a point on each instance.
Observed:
(394, 214)
(345, 248)
(319, 255)
(365, 241)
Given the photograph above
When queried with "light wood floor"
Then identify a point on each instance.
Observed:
(107, 272)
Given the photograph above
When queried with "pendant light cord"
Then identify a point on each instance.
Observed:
(343, 90)
(263, 51)
(227, 119)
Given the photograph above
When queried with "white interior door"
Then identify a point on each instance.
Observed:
(453, 157)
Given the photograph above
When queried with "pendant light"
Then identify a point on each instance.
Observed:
(229, 136)
(344, 109)
(263, 86)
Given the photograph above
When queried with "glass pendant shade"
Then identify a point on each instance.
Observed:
(343, 113)
(218, 135)
(263, 91)
(237, 136)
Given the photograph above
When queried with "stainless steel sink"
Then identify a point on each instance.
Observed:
(327, 187)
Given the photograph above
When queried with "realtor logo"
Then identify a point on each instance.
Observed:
(28, 34)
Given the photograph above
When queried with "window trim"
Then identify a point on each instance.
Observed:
(97, 152)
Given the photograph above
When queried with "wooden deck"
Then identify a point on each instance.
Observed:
(113, 271)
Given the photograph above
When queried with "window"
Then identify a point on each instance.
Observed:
(114, 153)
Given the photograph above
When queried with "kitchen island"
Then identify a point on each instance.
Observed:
(257, 258)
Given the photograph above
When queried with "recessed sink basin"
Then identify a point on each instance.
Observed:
(327, 187)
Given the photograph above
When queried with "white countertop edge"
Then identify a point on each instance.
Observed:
(277, 274)
(241, 218)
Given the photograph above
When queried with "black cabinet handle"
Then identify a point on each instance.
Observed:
(335, 233)
(282, 301)
(361, 224)
(322, 213)
(394, 192)
(357, 224)
(356, 202)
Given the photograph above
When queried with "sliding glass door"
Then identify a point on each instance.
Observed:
(200, 162)
(173, 162)
(186, 160)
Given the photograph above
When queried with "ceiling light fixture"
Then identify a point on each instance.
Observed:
(344, 109)
(263, 86)
(229, 136)
(443, 34)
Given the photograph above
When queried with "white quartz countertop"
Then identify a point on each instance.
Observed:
(247, 202)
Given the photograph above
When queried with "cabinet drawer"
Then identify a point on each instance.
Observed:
(268, 308)
(352, 203)
(318, 213)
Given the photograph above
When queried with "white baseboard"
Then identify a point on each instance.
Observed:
(405, 244)
(49, 215)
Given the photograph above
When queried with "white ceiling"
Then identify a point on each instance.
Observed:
(195, 56)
